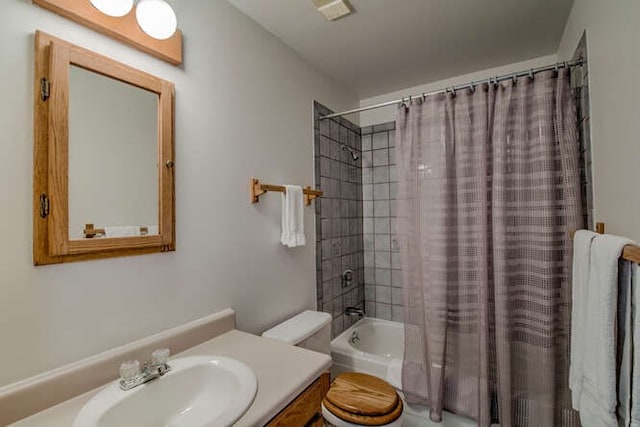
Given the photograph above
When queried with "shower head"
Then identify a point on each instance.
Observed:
(354, 156)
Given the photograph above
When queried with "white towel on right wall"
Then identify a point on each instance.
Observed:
(592, 376)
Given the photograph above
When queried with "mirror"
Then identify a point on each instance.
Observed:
(103, 160)
(113, 146)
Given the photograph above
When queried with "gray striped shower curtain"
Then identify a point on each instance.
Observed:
(489, 192)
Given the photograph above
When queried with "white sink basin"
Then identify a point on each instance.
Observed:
(198, 391)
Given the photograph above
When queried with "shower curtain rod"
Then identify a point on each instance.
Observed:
(531, 72)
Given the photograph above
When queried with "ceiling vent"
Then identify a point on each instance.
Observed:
(333, 9)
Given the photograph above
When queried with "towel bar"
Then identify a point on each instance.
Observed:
(256, 190)
(630, 252)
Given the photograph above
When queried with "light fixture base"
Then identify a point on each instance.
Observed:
(125, 29)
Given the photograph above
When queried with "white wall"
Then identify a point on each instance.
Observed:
(243, 109)
(388, 114)
(613, 33)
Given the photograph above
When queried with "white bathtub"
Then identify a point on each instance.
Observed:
(380, 343)
(378, 351)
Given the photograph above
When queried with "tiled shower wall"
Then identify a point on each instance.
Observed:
(580, 85)
(339, 245)
(382, 276)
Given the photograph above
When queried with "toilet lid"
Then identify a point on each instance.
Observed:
(362, 394)
(364, 420)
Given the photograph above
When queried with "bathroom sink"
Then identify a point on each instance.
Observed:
(199, 391)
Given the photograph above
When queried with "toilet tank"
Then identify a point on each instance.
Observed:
(309, 329)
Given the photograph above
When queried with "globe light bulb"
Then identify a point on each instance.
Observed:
(114, 8)
(156, 18)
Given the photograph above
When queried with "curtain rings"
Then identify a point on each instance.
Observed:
(424, 97)
(531, 73)
(472, 87)
(514, 77)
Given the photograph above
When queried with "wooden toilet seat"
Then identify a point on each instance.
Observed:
(363, 399)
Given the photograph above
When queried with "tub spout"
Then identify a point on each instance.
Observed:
(354, 311)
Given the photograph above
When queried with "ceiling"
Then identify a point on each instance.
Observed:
(388, 45)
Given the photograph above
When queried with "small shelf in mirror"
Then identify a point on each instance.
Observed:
(99, 167)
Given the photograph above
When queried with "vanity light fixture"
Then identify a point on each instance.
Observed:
(155, 17)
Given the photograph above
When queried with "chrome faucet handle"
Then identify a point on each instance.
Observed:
(347, 278)
(160, 356)
(159, 362)
(130, 373)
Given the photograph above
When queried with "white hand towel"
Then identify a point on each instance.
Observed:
(592, 377)
(123, 231)
(292, 217)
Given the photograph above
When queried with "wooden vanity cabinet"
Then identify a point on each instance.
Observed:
(304, 410)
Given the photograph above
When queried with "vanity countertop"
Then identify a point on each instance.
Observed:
(283, 372)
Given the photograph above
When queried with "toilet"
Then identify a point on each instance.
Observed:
(354, 399)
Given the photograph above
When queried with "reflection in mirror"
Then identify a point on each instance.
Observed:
(113, 157)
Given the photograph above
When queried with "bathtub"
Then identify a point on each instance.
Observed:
(370, 346)
(376, 347)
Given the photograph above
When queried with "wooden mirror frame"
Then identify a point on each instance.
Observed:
(51, 243)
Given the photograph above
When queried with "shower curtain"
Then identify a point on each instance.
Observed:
(489, 192)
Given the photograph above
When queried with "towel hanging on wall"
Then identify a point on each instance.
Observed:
(595, 293)
(292, 217)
